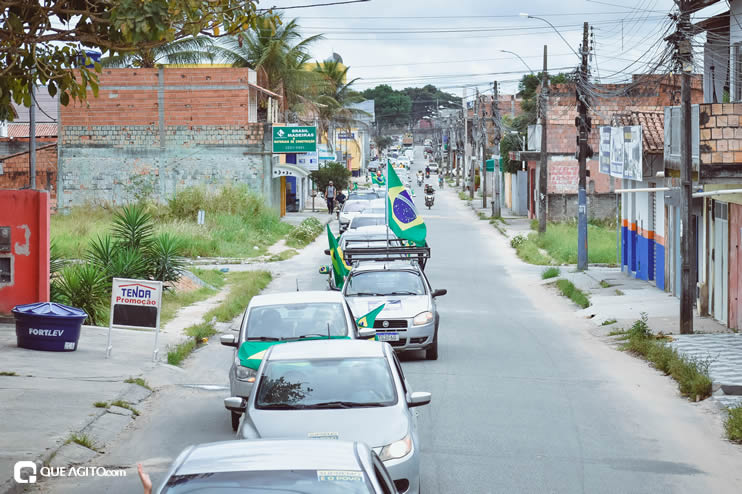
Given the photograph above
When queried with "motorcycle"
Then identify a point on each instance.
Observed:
(427, 174)
(419, 181)
(429, 196)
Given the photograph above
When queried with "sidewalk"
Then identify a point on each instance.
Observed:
(617, 300)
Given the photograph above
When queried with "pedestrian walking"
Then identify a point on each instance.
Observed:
(330, 192)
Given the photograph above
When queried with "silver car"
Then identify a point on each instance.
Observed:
(299, 466)
(410, 319)
(351, 208)
(351, 390)
(286, 316)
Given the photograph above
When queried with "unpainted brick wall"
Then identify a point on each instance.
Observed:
(721, 133)
(15, 172)
(563, 207)
(120, 145)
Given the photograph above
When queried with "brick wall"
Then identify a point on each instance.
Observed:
(721, 134)
(15, 175)
(157, 131)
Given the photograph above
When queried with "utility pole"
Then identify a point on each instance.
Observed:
(685, 58)
(481, 151)
(475, 129)
(583, 124)
(543, 172)
(32, 138)
(496, 148)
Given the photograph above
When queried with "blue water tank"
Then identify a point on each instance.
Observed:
(48, 326)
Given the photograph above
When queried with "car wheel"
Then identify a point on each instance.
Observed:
(431, 353)
(235, 420)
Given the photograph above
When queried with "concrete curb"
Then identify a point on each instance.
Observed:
(98, 424)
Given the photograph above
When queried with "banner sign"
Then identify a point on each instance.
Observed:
(310, 161)
(135, 304)
(621, 152)
(294, 140)
(605, 150)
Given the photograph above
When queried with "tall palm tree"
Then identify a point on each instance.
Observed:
(335, 96)
(279, 49)
(184, 51)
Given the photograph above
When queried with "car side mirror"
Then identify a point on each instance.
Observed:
(439, 293)
(366, 333)
(235, 404)
(228, 340)
(327, 252)
(417, 399)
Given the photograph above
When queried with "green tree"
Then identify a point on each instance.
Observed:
(392, 107)
(427, 100)
(336, 172)
(40, 40)
(383, 142)
(184, 51)
(335, 96)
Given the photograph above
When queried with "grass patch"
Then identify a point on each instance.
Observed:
(618, 332)
(573, 293)
(286, 254)
(733, 424)
(139, 381)
(528, 251)
(304, 233)
(498, 227)
(464, 196)
(560, 241)
(7, 373)
(200, 332)
(619, 292)
(605, 284)
(551, 272)
(100, 404)
(125, 404)
(172, 302)
(608, 322)
(83, 440)
(243, 286)
(691, 374)
(213, 277)
(179, 353)
(482, 216)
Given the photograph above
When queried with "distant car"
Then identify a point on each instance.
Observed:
(285, 317)
(351, 208)
(433, 168)
(349, 390)
(410, 319)
(365, 220)
(278, 466)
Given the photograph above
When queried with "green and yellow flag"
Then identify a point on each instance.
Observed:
(378, 179)
(355, 186)
(404, 220)
(251, 353)
(339, 268)
(369, 319)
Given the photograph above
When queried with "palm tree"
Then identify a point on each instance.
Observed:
(279, 50)
(184, 51)
(335, 96)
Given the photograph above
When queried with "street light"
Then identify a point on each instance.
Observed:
(523, 14)
(519, 58)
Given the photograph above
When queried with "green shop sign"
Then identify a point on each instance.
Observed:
(294, 139)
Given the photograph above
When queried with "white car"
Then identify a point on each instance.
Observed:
(351, 208)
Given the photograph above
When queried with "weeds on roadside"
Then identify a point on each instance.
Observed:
(551, 272)
(573, 293)
(605, 284)
(200, 332)
(733, 424)
(139, 381)
(304, 233)
(179, 353)
(608, 322)
(528, 251)
(82, 440)
(691, 374)
(100, 404)
(125, 404)
(619, 292)
(7, 373)
(243, 286)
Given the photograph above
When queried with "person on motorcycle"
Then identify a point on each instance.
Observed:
(440, 181)
(427, 170)
(429, 189)
(340, 198)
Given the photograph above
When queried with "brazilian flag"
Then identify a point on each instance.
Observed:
(378, 179)
(355, 186)
(404, 220)
(251, 353)
(339, 268)
(369, 319)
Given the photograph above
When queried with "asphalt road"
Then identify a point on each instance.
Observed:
(525, 399)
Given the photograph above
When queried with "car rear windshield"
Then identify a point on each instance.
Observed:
(361, 221)
(326, 383)
(355, 206)
(385, 283)
(289, 321)
(363, 196)
(273, 481)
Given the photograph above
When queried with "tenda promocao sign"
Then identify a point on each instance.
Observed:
(135, 304)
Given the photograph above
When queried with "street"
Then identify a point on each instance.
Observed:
(524, 398)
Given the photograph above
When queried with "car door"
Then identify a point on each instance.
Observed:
(412, 414)
(433, 304)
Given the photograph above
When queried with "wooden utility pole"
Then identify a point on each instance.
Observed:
(583, 125)
(687, 282)
(32, 138)
(475, 131)
(543, 172)
(495, 149)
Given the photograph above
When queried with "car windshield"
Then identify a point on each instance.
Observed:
(289, 321)
(326, 383)
(361, 221)
(355, 206)
(362, 196)
(385, 283)
(273, 481)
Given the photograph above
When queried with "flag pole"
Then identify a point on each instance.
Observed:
(386, 209)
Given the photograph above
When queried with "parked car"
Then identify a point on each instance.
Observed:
(410, 319)
(369, 236)
(351, 208)
(365, 220)
(285, 317)
(282, 466)
(341, 389)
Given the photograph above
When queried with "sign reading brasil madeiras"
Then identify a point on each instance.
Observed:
(136, 303)
(294, 139)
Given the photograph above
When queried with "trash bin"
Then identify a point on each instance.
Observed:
(48, 326)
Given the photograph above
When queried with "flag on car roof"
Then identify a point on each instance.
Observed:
(251, 353)
(404, 220)
(369, 319)
(378, 179)
(339, 269)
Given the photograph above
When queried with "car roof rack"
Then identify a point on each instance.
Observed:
(396, 249)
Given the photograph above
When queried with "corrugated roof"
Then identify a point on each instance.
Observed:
(42, 130)
(653, 128)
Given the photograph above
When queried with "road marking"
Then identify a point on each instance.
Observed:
(207, 387)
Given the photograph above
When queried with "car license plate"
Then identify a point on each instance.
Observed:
(388, 336)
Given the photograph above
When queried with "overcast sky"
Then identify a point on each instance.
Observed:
(455, 43)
